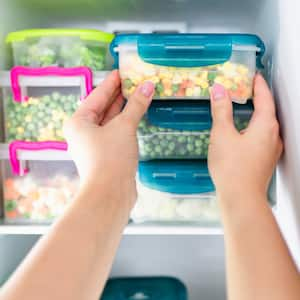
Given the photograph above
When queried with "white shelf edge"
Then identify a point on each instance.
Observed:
(132, 229)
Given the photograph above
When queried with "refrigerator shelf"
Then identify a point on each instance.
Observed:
(131, 229)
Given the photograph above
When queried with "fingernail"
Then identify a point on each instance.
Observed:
(218, 91)
(147, 88)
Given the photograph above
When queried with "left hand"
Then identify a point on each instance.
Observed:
(102, 138)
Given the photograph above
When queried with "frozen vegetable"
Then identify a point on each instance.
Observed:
(161, 143)
(29, 198)
(59, 53)
(39, 118)
(154, 206)
(172, 82)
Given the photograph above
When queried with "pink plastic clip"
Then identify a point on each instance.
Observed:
(18, 71)
(31, 146)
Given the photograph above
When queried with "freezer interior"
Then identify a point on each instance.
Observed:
(196, 257)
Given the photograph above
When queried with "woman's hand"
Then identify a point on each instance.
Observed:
(242, 163)
(258, 262)
(102, 139)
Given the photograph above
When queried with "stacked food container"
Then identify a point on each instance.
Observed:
(150, 288)
(173, 179)
(51, 72)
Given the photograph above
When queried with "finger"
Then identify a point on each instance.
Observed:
(263, 99)
(221, 109)
(138, 103)
(100, 98)
(114, 109)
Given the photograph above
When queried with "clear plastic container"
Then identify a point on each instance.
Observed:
(42, 194)
(144, 288)
(185, 66)
(175, 191)
(61, 47)
(177, 130)
(37, 106)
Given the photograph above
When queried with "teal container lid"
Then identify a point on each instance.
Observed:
(188, 49)
(189, 115)
(176, 176)
(144, 288)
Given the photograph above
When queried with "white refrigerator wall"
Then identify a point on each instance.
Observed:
(198, 260)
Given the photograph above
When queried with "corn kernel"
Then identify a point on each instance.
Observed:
(131, 90)
(198, 81)
(168, 92)
(204, 75)
(228, 66)
(189, 92)
(28, 119)
(136, 80)
(59, 133)
(227, 84)
(154, 79)
(219, 79)
(242, 70)
(204, 85)
(177, 79)
(30, 101)
(20, 130)
(237, 79)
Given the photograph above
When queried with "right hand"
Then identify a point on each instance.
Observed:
(243, 162)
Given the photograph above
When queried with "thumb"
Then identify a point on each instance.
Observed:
(138, 103)
(221, 108)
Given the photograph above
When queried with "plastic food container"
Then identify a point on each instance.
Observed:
(37, 105)
(43, 192)
(61, 47)
(181, 130)
(150, 288)
(175, 191)
(185, 66)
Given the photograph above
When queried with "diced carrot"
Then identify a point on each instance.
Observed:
(9, 189)
(11, 214)
(33, 195)
(184, 84)
(190, 84)
(180, 93)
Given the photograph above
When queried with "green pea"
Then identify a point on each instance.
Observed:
(175, 88)
(190, 147)
(159, 88)
(10, 205)
(171, 146)
(181, 139)
(212, 76)
(127, 83)
(198, 143)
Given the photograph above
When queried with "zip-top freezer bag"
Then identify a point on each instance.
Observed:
(172, 191)
(185, 66)
(61, 47)
(181, 129)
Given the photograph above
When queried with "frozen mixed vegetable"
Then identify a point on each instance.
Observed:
(39, 118)
(163, 143)
(29, 198)
(172, 82)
